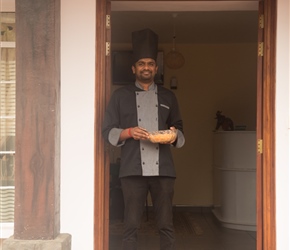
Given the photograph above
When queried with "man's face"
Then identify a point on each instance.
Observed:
(145, 70)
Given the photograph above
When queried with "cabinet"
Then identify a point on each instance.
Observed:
(234, 171)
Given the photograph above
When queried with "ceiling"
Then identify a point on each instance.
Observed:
(190, 21)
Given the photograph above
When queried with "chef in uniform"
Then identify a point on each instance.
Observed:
(134, 111)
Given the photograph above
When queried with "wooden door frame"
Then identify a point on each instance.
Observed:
(266, 198)
(266, 223)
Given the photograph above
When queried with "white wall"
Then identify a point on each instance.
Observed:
(283, 126)
(77, 121)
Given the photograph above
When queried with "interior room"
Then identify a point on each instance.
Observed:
(218, 43)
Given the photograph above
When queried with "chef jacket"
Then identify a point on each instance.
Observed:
(154, 109)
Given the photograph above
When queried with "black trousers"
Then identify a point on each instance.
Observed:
(135, 190)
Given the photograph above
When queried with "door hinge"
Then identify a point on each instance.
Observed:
(261, 49)
(108, 21)
(260, 146)
(108, 48)
(261, 21)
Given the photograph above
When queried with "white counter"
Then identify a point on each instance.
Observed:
(234, 166)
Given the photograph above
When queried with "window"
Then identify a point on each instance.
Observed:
(7, 121)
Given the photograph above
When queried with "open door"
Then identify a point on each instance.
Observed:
(102, 95)
(259, 159)
(266, 228)
(266, 223)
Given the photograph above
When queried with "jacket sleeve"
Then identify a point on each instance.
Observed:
(111, 125)
(175, 120)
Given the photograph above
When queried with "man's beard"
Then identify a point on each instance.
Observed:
(146, 78)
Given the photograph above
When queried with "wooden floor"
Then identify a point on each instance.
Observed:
(195, 231)
(200, 232)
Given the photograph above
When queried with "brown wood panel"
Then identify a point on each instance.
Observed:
(101, 213)
(37, 163)
(108, 96)
(259, 129)
(269, 81)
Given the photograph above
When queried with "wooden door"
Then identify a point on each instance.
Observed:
(259, 126)
(266, 237)
(102, 94)
(266, 229)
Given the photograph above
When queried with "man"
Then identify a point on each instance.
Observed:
(133, 112)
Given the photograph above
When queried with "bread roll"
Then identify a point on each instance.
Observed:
(162, 136)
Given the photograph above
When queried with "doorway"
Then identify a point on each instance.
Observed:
(258, 190)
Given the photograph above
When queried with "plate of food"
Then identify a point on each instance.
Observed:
(162, 136)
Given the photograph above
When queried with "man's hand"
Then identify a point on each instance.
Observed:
(173, 129)
(139, 133)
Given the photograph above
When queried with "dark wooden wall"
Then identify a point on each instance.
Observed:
(37, 167)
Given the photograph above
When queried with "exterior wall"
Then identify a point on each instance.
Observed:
(283, 126)
(77, 121)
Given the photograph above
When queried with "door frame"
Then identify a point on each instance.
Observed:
(265, 193)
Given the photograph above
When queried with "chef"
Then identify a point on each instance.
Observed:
(133, 112)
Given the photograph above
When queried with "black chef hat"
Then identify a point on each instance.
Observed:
(145, 44)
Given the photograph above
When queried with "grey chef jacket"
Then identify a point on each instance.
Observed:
(155, 109)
